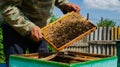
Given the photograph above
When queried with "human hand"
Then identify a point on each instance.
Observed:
(35, 34)
(72, 7)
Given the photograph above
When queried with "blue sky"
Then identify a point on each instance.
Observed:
(109, 9)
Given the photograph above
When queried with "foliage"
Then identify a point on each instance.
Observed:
(53, 18)
(106, 23)
(2, 56)
(51, 49)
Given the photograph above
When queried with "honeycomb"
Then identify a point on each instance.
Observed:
(66, 30)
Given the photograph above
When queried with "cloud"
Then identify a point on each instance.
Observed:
(113, 5)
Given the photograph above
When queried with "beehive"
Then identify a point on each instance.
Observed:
(67, 30)
(63, 59)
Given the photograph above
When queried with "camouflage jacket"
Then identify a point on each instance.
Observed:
(22, 15)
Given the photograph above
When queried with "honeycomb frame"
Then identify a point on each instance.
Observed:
(49, 30)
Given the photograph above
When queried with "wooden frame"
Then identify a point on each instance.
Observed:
(73, 40)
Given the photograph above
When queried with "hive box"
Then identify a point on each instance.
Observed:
(63, 59)
(67, 30)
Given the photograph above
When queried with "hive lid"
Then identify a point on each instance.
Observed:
(67, 30)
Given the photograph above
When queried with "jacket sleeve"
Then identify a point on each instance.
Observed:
(15, 18)
(61, 4)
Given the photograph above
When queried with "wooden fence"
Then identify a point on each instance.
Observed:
(101, 41)
(105, 47)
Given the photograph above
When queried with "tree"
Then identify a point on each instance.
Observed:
(106, 23)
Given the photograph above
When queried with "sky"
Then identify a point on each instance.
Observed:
(108, 9)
